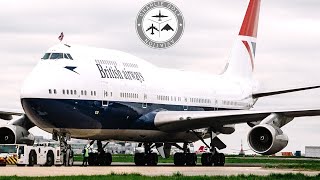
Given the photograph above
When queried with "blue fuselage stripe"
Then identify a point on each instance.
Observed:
(90, 114)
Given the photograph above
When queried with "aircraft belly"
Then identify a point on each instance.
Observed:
(130, 135)
(122, 121)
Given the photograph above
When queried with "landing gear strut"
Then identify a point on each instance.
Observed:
(147, 158)
(185, 158)
(213, 157)
(66, 151)
(101, 158)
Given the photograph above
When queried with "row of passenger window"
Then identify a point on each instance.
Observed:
(129, 95)
(72, 92)
(168, 98)
(234, 103)
(107, 62)
(57, 56)
(130, 65)
(200, 100)
(174, 98)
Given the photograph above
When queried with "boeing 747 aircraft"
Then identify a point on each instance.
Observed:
(108, 95)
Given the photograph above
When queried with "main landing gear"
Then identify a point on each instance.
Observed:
(101, 158)
(213, 157)
(147, 158)
(185, 157)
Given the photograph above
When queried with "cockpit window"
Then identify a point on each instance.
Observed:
(65, 56)
(56, 56)
(46, 56)
(70, 57)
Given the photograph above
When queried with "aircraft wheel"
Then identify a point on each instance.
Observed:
(151, 159)
(206, 159)
(139, 159)
(108, 159)
(93, 159)
(191, 159)
(179, 159)
(220, 159)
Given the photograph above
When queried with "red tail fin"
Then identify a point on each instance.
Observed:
(250, 23)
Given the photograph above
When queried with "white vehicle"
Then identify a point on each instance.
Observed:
(8, 154)
(108, 95)
(39, 154)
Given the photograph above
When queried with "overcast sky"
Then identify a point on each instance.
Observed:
(287, 49)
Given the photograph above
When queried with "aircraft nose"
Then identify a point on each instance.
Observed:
(35, 84)
(29, 87)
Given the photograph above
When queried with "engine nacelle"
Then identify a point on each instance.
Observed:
(13, 134)
(267, 139)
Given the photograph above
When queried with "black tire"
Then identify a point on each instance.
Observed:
(206, 159)
(105, 159)
(108, 159)
(139, 159)
(216, 159)
(93, 159)
(191, 159)
(179, 159)
(50, 159)
(222, 159)
(32, 158)
(151, 159)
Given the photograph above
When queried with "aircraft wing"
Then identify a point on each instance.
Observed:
(186, 120)
(6, 114)
(283, 91)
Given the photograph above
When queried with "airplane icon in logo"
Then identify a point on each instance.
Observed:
(152, 28)
(159, 16)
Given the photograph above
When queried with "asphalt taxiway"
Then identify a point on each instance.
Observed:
(162, 169)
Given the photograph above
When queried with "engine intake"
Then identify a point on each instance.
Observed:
(267, 139)
(13, 134)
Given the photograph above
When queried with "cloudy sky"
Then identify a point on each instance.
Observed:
(287, 49)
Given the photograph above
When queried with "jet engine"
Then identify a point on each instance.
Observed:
(267, 139)
(14, 134)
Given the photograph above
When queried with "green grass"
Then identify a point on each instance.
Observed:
(176, 176)
(267, 160)
(298, 166)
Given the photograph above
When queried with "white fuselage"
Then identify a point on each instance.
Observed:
(109, 76)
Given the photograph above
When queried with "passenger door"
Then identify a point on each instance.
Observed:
(106, 94)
